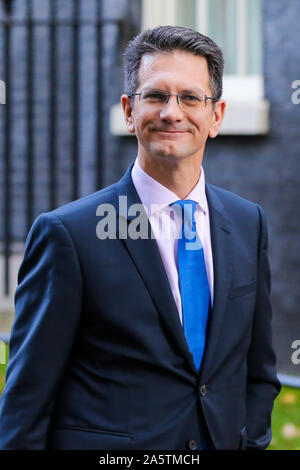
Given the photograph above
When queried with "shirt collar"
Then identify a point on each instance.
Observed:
(155, 196)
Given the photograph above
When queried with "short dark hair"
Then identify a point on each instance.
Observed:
(167, 39)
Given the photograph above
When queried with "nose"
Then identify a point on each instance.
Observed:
(171, 111)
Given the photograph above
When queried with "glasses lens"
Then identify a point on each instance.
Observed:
(191, 100)
(185, 100)
(154, 97)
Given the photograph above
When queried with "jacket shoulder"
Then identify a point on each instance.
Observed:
(243, 214)
(230, 201)
(229, 198)
(85, 205)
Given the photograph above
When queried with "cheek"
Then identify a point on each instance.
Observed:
(141, 121)
(202, 126)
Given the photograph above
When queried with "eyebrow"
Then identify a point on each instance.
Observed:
(186, 91)
(195, 90)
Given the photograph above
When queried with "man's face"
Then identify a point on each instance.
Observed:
(167, 130)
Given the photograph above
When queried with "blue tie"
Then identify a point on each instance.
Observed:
(193, 283)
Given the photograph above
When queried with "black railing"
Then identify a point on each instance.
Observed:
(7, 155)
(53, 23)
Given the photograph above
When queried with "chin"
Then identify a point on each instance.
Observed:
(166, 151)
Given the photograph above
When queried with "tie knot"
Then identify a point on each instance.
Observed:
(187, 209)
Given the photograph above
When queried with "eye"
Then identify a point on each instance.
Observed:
(154, 97)
(190, 99)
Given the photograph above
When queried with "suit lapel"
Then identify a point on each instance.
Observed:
(146, 257)
(221, 249)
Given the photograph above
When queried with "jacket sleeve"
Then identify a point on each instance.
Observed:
(47, 313)
(263, 385)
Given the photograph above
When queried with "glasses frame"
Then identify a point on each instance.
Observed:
(178, 96)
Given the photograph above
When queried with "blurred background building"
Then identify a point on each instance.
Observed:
(63, 135)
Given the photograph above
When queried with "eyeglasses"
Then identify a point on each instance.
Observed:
(184, 100)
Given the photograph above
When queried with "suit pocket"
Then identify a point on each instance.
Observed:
(87, 439)
(240, 291)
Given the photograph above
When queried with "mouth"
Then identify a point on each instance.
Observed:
(171, 132)
(170, 129)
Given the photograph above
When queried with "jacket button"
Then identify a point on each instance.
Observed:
(192, 444)
(203, 390)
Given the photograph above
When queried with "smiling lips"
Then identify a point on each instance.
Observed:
(171, 131)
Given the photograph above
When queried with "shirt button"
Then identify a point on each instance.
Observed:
(192, 444)
(203, 390)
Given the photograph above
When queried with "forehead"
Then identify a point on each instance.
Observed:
(175, 69)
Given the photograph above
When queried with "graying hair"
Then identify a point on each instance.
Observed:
(169, 38)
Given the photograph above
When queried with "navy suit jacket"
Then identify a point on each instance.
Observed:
(98, 357)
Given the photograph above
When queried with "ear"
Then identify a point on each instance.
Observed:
(218, 115)
(128, 113)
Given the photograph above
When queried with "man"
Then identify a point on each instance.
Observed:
(150, 342)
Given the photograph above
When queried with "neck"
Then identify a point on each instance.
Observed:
(180, 177)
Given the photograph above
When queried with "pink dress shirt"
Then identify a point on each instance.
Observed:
(166, 226)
